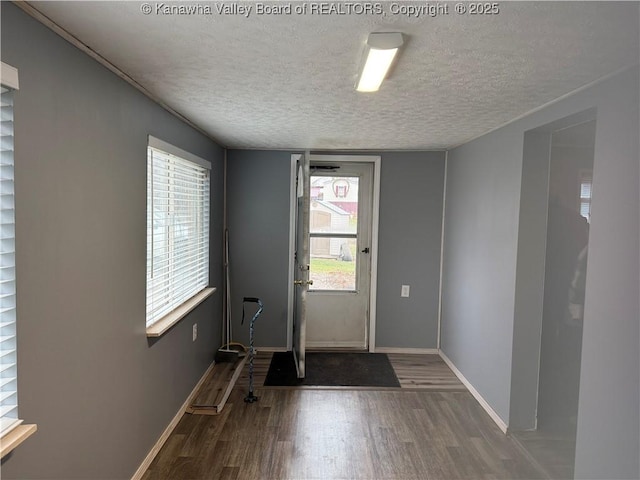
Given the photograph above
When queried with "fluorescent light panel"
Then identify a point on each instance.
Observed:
(382, 48)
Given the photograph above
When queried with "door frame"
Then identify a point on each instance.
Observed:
(342, 158)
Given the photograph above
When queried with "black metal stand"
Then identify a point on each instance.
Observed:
(251, 398)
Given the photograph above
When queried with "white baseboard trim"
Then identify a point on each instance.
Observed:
(413, 351)
(167, 431)
(483, 403)
(355, 345)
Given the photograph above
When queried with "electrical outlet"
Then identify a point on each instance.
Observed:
(195, 331)
(405, 291)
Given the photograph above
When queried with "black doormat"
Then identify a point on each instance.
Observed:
(333, 369)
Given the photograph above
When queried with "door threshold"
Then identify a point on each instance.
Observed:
(338, 349)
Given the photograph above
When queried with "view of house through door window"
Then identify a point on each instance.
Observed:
(333, 226)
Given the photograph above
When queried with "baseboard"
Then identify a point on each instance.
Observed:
(354, 345)
(412, 351)
(483, 403)
(167, 431)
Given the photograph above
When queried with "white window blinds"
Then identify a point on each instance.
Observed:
(8, 359)
(586, 182)
(178, 186)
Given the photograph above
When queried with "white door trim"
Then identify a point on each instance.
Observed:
(293, 201)
(376, 161)
(444, 212)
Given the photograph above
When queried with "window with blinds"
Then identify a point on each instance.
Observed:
(8, 359)
(586, 180)
(178, 186)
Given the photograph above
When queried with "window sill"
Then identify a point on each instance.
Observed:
(15, 437)
(169, 320)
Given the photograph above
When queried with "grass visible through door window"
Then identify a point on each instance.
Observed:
(328, 265)
(334, 272)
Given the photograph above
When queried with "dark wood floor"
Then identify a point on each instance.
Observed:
(420, 431)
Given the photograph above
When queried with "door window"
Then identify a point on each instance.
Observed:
(333, 227)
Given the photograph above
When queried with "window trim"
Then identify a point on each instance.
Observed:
(15, 437)
(9, 76)
(160, 326)
(19, 432)
(154, 142)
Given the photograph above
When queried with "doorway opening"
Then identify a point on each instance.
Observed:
(342, 247)
(555, 216)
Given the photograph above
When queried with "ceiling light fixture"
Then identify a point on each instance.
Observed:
(380, 51)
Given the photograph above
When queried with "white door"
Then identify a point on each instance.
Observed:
(340, 225)
(301, 262)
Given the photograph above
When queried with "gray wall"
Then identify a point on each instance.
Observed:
(481, 236)
(100, 393)
(411, 188)
(411, 185)
(258, 222)
(481, 233)
(608, 444)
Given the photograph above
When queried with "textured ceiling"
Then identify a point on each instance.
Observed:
(286, 81)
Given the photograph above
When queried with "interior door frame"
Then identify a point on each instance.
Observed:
(376, 160)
